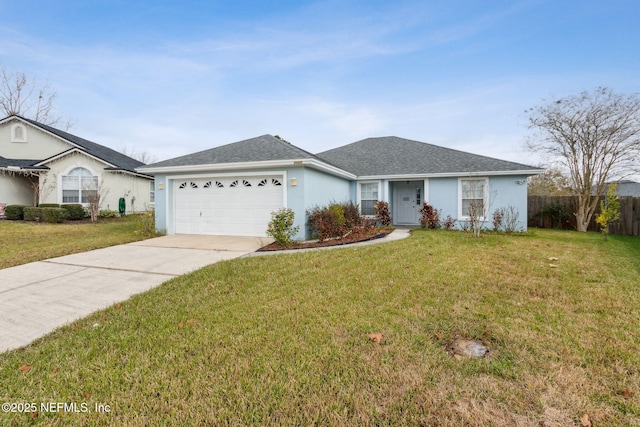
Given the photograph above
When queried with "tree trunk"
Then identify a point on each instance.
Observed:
(581, 225)
(585, 210)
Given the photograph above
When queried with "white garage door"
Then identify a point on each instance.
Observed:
(227, 206)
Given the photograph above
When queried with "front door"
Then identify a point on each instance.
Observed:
(407, 198)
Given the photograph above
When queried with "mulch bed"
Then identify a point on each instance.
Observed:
(356, 237)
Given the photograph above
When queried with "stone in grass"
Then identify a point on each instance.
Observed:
(473, 349)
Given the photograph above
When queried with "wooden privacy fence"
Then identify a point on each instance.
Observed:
(557, 212)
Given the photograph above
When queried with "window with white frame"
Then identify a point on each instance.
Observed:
(78, 185)
(152, 191)
(473, 197)
(368, 197)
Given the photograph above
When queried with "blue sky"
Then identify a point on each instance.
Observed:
(171, 78)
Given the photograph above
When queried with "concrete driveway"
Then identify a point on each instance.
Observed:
(38, 297)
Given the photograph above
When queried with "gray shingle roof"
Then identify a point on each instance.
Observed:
(21, 163)
(628, 188)
(261, 148)
(119, 160)
(625, 188)
(390, 155)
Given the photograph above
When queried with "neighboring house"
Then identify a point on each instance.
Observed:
(625, 188)
(40, 164)
(232, 189)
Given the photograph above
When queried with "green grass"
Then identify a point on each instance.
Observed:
(24, 242)
(282, 340)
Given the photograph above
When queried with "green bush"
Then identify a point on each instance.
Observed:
(75, 211)
(330, 221)
(106, 213)
(51, 215)
(32, 213)
(352, 215)
(14, 212)
(48, 205)
(54, 215)
(147, 224)
(281, 226)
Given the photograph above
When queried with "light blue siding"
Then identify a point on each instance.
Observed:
(161, 203)
(316, 188)
(296, 196)
(443, 195)
(320, 189)
(507, 191)
(504, 191)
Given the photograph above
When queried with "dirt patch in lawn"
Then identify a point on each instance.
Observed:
(353, 237)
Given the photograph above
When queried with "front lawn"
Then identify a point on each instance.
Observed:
(282, 340)
(24, 242)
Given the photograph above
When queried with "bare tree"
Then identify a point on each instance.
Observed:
(41, 187)
(595, 135)
(95, 198)
(476, 214)
(140, 155)
(21, 94)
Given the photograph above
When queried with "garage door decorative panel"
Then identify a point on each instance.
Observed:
(239, 206)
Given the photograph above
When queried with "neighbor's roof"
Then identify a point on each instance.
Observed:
(19, 163)
(119, 160)
(258, 149)
(393, 156)
(626, 188)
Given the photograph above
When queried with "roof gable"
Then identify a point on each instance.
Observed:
(392, 156)
(106, 154)
(261, 148)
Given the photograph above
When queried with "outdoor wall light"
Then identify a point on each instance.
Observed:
(294, 182)
(521, 181)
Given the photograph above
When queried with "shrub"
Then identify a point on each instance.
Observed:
(382, 213)
(32, 213)
(14, 212)
(609, 210)
(53, 215)
(352, 215)
(558, 213)
(327, 222)
(429, 216)
(449, 223)
(48, 205)
(106, 213)
(511, 223)
(498, 216)
(281, 226)
(368, 223)
(75, 211)
(147, 223)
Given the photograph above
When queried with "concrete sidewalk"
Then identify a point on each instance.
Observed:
(38, 297)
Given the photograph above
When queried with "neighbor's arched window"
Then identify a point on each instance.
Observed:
(78, 185)
(18, 133)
